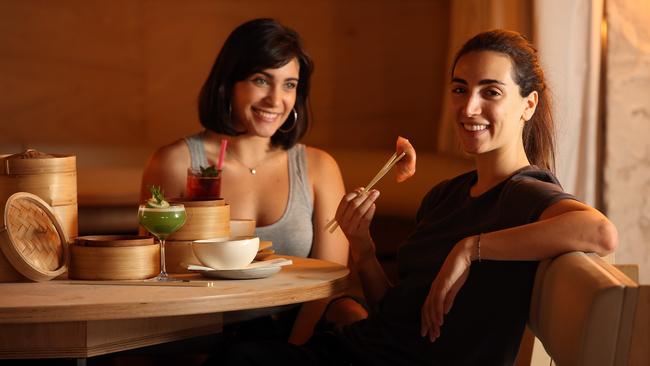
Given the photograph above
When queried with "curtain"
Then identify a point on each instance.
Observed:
(571, 56)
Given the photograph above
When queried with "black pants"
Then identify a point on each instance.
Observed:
(259, 342)
(277, 326)
(323, 349)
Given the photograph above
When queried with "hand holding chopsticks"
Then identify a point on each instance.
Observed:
(332, 224)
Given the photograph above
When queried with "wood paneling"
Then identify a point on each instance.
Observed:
(127, 73)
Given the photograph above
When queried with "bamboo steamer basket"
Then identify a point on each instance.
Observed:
(32, 242)
(205, 220)
(178, 253)
(114, 257)
(51, 177)
(67, 216)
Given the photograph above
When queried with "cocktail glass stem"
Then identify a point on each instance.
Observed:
(163, 269)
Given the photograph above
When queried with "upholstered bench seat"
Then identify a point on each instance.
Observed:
(582, 310)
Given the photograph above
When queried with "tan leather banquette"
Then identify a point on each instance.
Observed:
(584, 311)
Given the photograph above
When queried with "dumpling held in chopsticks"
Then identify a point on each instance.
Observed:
(405, 168)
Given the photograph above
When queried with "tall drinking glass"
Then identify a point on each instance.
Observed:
(161, 223)
(203, 188)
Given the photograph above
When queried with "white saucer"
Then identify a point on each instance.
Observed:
(242, 274)
(259, 269)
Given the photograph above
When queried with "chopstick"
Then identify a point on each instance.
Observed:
(332, 224)
(181, 283)
(385, 169)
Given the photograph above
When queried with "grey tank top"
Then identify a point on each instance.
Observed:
(293, 234)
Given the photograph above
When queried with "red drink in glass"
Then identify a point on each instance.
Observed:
(201, 188)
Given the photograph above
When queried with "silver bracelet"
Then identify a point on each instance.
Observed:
(478, 247)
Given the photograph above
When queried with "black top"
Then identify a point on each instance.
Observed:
(486, 322)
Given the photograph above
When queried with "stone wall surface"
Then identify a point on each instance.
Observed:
(627, 168)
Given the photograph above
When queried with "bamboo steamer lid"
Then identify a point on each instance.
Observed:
(50, 176)
(114, 240)
(32, 239)
(114, 257)
(35, 162)
(205, 220)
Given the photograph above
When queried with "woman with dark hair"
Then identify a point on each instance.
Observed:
(255, 97)
(252, 48)
(466, 272)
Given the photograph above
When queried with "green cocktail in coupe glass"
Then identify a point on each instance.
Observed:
(161, 222)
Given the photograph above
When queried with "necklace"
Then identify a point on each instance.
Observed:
(252, 170)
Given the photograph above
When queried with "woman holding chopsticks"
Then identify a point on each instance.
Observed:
(467, 270)
(255, 99)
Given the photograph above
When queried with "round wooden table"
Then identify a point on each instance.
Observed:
(67, 319)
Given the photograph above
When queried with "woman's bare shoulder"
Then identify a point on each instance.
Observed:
(322, 167)
(173, 152)
(320, 159)
(167, 167)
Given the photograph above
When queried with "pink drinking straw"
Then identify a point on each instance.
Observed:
(222, 153)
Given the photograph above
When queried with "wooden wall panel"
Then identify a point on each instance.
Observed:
(71, 72)
(127, 73)
(110, 81)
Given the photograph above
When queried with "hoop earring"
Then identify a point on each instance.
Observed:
(295, 122)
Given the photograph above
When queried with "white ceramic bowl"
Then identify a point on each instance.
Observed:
(242, 227)
(226, 253)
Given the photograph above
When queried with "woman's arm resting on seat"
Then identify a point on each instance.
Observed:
(563, 227)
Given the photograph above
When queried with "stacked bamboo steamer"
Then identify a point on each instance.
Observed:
(205, 220)
(51, 177)
(114, 257)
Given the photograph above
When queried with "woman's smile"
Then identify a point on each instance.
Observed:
(474, 127)
(265, 115)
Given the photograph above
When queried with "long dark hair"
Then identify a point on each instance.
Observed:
(539, 132)
(254, 46)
